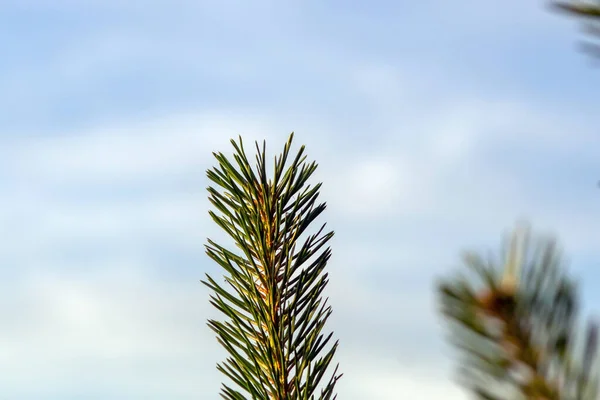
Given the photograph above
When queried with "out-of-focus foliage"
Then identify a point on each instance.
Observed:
(588, 12)
(514, 321)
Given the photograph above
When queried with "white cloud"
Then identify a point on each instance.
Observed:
(160, 147)
(375, 187)
(62, 329)
(383, 379)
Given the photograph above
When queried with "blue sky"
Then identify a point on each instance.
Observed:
(436, 126)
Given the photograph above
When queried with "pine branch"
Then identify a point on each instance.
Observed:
(516, 330)
(589, 14)
(273, 297)
(579, 9)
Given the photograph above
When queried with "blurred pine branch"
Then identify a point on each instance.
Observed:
(589, 14)
(513, 320)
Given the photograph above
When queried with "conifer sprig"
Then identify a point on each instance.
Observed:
(588, 12)
(272, 297)
(514, 322)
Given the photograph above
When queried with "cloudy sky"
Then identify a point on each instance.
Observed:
(436, 125)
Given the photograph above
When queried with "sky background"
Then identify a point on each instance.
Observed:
(436, 125)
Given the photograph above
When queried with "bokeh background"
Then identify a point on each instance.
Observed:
(436, 126)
